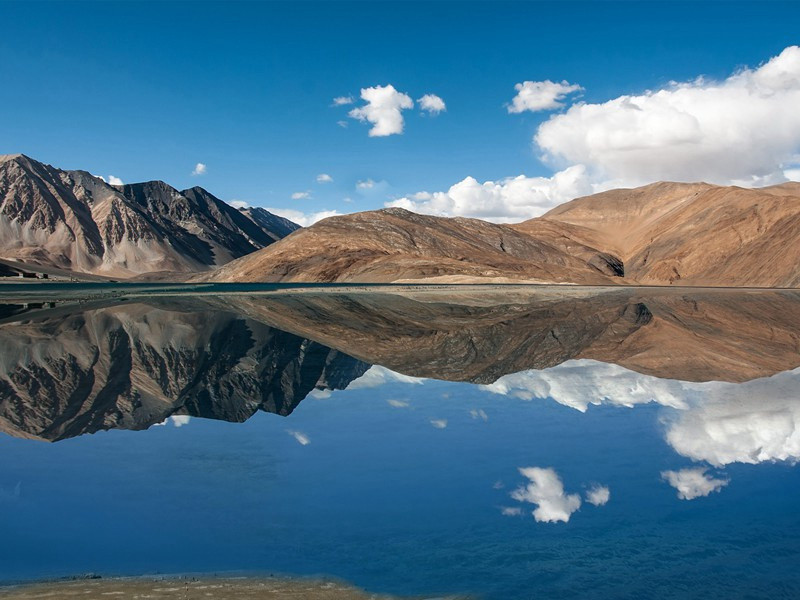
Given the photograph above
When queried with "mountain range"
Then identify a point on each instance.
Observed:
(78, 223)
(694, 234)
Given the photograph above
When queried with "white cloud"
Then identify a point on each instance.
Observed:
(479, 414)
(439, 423)
(541, 95)
(743, 130)
(753, 422)
(301, 195)
(342, 124)
(506, 201)
(239, 204)
(180, 420)
(715, 422)
(301, 218)
(545, 489)
(112, 180)
(693, 483)
(792, 174)
(320, 394)
(343, 100)
(324, 178)
(383, 109)
(397, 403)
(366, 184)
(199, 169)
(581, 383)
(598, 495)
(432, 104)
(377, 376)
(301, 437)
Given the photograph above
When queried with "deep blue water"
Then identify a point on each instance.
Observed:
(383, 497)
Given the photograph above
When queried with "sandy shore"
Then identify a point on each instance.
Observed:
(189, 588)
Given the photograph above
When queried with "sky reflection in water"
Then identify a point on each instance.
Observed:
(582, 480)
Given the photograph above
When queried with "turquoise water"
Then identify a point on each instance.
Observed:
(413, 486)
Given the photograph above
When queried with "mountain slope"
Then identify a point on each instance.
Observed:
(398, 245)
(691, 234)
(74, 221)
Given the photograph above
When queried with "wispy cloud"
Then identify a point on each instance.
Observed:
(199, 169)
(343, 100)
(301, 437)
(301, 195)
(598, 495)
(439, 423)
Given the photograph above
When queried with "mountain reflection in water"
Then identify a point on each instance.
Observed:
(65, 372)
(447, 440)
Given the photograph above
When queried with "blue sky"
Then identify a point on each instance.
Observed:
(148, 90)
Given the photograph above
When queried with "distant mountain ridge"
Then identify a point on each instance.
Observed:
(660, 234)
(77, 222)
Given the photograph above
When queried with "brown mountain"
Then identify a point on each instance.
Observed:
(397, 245)
(73, 221)
(664, 233)
(691, 234)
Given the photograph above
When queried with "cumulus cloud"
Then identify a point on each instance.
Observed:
(301, 437)
(239, 204)
(506, 201)
(432, 104)
(598, 495)
(383, 109)
(343, 100)
(439, 423)
(301, 195)
(541, 95)
(377, 376)
(199, 169)
(114, 180)
(714, 422)
(301, 218)
(693, 483)
(545, 489)
(581, 383)
(753, 422)
(742, 130)
(324, 178)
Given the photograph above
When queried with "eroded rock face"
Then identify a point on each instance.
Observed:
(132, 366)
(74, 221)
(397, 245)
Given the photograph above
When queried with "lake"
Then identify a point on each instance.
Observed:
(498, 442)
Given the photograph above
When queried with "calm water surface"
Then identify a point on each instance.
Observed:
(503, 445)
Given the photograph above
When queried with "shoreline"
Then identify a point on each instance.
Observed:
(184, 587)
(91, 291)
